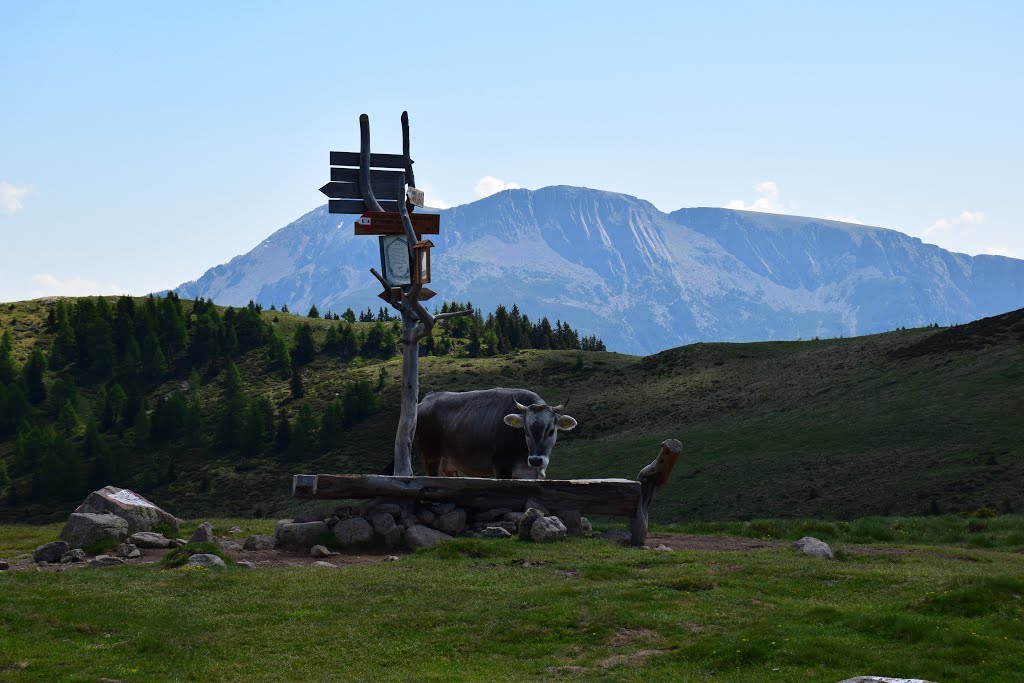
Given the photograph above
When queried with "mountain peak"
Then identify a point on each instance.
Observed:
(642, 280)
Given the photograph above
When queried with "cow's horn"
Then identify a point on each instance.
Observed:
(559, 407)
(520, 407)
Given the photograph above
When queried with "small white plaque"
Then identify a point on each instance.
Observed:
(416, 197)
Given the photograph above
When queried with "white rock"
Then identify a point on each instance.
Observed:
(814, 547)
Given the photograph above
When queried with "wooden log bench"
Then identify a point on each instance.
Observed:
(616, 497)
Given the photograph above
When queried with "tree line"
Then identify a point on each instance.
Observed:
(128, 428)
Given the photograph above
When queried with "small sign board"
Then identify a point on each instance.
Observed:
(416, 197)
(390, 223)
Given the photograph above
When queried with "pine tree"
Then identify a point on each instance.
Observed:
(233, 404)
(154, 363)
(284, 309)
(277, 353)
(253, 431)
(67, 420)
(303, 436)
(313, 313)
(349, 315)
(298, 391)
(332, 425)
(65, 345)
(8, 367)
(113, 407)
(304, 349)
(33, 371)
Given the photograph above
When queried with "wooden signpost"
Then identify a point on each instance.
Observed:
(381, 190)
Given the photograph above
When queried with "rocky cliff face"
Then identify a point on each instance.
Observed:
(615, 266)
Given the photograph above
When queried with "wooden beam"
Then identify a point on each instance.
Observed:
(376, 160)
(595, 496)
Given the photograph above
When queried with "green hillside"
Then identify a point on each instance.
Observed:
(909, 422)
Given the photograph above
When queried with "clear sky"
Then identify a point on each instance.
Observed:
(141, 143)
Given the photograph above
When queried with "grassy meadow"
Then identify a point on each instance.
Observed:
(505, 610)
(910, 422)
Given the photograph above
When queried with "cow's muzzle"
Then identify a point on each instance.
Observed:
(537, 461)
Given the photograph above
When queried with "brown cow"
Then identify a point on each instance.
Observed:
(502, 433)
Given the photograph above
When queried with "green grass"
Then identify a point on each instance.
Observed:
(1003, 532)
(505, 610)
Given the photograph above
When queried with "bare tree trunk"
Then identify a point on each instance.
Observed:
(410, 395)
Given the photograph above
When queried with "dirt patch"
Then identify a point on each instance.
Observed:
(631, 636)
(726, 543)
(632, 659)
(260, 559)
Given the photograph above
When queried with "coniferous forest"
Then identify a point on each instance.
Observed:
(128, 391)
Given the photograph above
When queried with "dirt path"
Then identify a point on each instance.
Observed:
(268, 559)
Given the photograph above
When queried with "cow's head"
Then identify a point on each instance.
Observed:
(540, 423)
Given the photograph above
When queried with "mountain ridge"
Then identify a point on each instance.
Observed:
(641, 279)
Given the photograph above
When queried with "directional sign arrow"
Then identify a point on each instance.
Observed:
(390, 223)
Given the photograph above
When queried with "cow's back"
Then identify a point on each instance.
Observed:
(466, 431)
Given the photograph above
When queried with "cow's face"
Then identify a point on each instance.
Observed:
(540, 424)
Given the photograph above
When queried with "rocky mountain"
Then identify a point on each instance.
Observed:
(642, 280)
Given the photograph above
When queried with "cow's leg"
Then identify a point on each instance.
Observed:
(431, 461)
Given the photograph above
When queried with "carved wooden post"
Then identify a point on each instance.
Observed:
(417, 322)
(651, 479)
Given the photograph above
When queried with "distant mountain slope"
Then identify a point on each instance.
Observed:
(640, 279)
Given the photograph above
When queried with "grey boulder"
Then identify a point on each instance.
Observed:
(150, 540)
(495, 532)
(204, 560)
(127, 550)
(50, 552)
(85, 528)
(353, 531)
(452, 522)
(527, 521)
(202, 534)
(548, 529)
(301, 534)
(382, 522)
(105, 561)
(809, 545)
(258, 542)
(72, 556)
(419, 536)
(319, 551)
(141, 514)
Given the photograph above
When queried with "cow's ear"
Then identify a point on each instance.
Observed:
(566, 423)
(514, 420)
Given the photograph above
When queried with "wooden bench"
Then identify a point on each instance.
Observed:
(616, 497)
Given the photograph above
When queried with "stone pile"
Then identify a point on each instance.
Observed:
(393, 524)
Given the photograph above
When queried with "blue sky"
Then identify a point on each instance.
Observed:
(141, 143)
